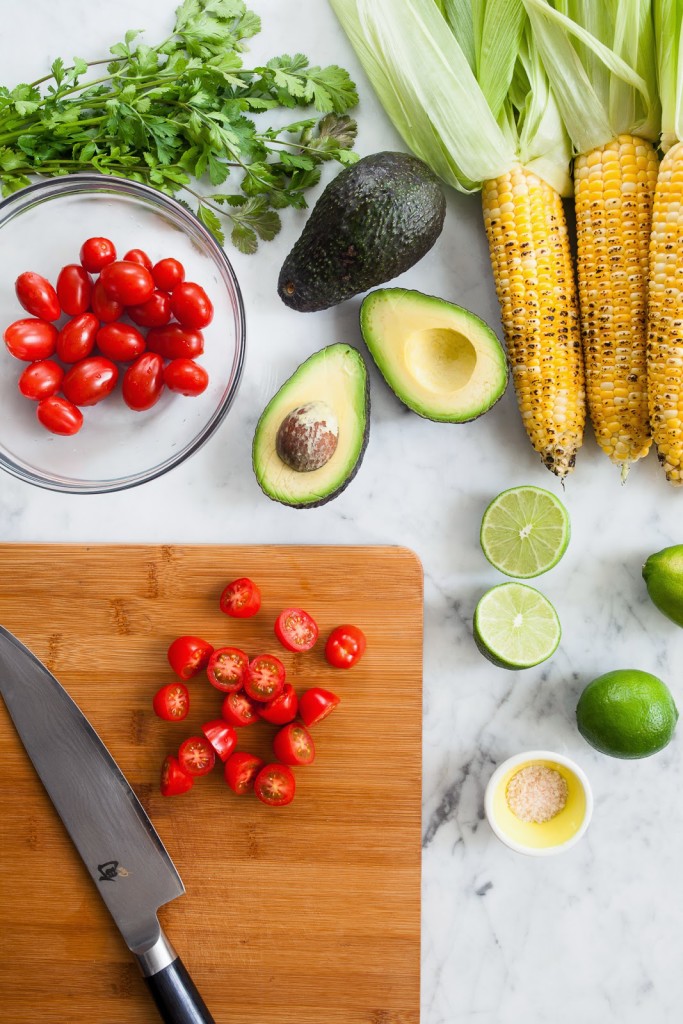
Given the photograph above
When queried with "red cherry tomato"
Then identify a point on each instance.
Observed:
(293, 744)
(168, 274)
(241, 769)
(156, 312)
(105, 309)
(172, 702)
(128, 283)
(90, 381)
(241, 599)
(274, 785)
(143, 381)
(296, 629)
(175, 342)
(196, 756)
(191, 306)
(121, 342)
(227, 668)
(76, 339)
(281, 709)
(59, 415)
(265, 678)
(96, 253)
(186, 377)
(31, 339)
(37, 296)
(73, 289)
(173, 779)
(188, 655)
(238, 709)
(221, 736)
(316, 704)
(138, 256)
(41, 379)
(345, 646)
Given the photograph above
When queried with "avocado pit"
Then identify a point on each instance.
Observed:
(307, 437)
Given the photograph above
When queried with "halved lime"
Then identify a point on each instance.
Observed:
(525, 531)
(515, 626)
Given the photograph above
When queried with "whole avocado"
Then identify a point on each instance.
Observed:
(375, 220)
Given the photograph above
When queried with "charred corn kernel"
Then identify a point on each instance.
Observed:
(665, 316)
(613, 202)
(534, 280)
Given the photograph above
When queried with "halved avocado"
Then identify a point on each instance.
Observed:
(442, 361)
(312, 435)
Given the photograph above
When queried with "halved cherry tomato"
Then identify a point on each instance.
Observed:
(296, 629)
(173, 779)
(265, 678)
(188, 655)
(191, 306)
(121, 342)
(196, 756)
(241, 769)
(172, 702)
(37, 296)
(59, 415)
(90, 380)
(175, 342)
(73, 289)
(238, 709)
(316, 704)
(143, 382)
(30, 339)
(345, 646)
(41, 379)
(186, 377)
(221, 736)
(274, 785)
(96, 253)
(241, 599)
(281, 709)
(227, 668)
(105, 308)
(156, 312)
(294, 744)
(129, 283)
(168, 274)
(138, 256)
(76, 339)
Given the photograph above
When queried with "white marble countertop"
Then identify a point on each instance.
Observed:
(592, 935)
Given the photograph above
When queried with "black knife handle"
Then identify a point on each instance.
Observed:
(176, 996)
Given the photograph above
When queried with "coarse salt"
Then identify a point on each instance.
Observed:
(536, 793)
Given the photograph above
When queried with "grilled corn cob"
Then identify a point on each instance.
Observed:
(534, 280)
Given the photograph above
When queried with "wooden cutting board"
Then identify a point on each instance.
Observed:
(307, 913)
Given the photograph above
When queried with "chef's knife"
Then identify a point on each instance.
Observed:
(118, 844)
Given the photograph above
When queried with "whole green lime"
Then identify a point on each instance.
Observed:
(663, 575)
(627, 713)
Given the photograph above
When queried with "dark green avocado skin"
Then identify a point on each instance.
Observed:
(374, 221)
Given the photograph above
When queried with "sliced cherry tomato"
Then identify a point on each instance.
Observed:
(186, 377)
(59, 415)
(227, 668)
(138, 256)
(121, 342)
(168, 274)
(143, 381)
(173, 779)
(241, 769)
(90, 381)
(221, 736)
(96, 253)
(37, 296)
(265, 678)
(191, 306)
(41, 379)
(274, 785)
(156, 312)
(345, 646)
(281, 709)
(293, 744)
(128, 283)
(73, 289)
(175, 342)
(241, 599)
(76, 339)
(196, 756)
(105, 308)
(31, 339)
(316, 704)
(296, 629)
(238, 709)
(172, 702)
(188, 655)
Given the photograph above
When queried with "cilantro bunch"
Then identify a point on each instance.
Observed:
(180, 116)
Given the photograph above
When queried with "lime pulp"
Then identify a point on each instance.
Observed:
(525, 531)
(515, 626)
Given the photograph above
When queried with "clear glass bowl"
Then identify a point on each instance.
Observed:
(41, 229)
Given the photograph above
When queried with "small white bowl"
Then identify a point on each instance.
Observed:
(539, 839)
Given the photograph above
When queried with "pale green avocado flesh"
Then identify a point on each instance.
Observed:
(440, 360)
(336, 376)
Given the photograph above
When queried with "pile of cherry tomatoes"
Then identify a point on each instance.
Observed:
(79, 363)
(255, 689)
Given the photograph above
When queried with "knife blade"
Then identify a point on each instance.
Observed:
(117, 842)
